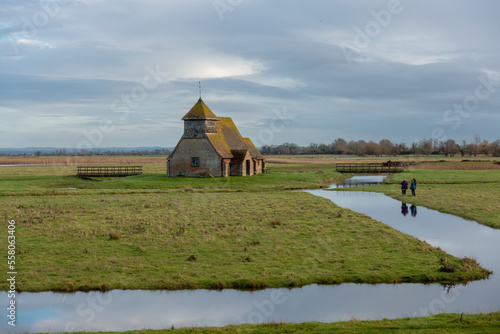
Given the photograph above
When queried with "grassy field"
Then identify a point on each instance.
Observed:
(436, 324)
(471, 194)
(188, 240)
(57, 179)
(153, 232)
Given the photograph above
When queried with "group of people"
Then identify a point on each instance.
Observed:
(413, 187)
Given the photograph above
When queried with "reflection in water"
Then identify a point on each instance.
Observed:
(357, 181)
(404, 208)
(127, 310)
(413, 210)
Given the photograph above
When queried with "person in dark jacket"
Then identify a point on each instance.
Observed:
(413, 186)
(404, 186)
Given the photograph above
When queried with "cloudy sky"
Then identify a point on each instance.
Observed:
(96, 73)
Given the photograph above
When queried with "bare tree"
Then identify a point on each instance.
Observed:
(425, 146)
(495, 148)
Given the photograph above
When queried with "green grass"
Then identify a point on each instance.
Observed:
(240, 240)
(437, 176)
(471, 194)
(239, 232)
(437, 324)
(56, 180)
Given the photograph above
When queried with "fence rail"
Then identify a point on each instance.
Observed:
(385, 167)
(106, 171)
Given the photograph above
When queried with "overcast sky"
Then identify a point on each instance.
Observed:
(95, 73)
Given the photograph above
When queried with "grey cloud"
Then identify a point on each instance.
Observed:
(276, 54)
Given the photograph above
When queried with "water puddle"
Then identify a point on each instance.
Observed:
(128, 310)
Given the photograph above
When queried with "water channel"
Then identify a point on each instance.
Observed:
(120, 310)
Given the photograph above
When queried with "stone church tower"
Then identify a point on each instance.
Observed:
(212, 146)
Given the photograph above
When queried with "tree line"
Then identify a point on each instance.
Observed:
(386, 147)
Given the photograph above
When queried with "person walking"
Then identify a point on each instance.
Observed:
(404, 186)
(413, 186)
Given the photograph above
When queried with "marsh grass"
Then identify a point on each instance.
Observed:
(211, 240)
(239, 232)
(459, 166)
(46, 181)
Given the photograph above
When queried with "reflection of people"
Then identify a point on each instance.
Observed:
(404, 186)
(413, 186)
(413, 210)
(404, 208)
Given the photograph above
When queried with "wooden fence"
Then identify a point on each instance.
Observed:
(106, 171)
(370, 167)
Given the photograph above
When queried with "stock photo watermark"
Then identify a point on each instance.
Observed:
(11, 273)
(32, 24)
(264, 309)
(437, 305)
(88, 310)
(124, 105)
(470, 104)
(224, 6)
(278, 123)
(363, 37)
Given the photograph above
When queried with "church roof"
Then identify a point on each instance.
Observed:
(239, 155)
(227, 141)
(199, 111)
(230, 135)
(219, 145)
(254, 152)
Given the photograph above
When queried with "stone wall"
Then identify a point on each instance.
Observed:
(180, 161)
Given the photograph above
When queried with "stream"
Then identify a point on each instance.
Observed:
(121, 310)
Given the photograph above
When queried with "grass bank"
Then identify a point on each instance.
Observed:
(190, 239)
(437, 324)
(471, 194)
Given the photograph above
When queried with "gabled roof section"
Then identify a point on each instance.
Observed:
(239, 155)
(254, 152)
(230, 135)
(219, 145)
(200, 111)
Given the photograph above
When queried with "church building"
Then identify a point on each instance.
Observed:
(213, 146)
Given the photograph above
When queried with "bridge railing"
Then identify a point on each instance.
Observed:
(107, 171)
(369, 168)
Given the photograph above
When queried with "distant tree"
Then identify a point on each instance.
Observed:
(414, 147)
(425, 146)
(400, 148)
(449, 147)
(473, 149)
(387, 147)
(463, 148)
(313, 148)
(484, 147)
(339, 146)
(372, 148)
(495, 148)
(357, 147)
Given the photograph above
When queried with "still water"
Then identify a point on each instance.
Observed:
(135, 309)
